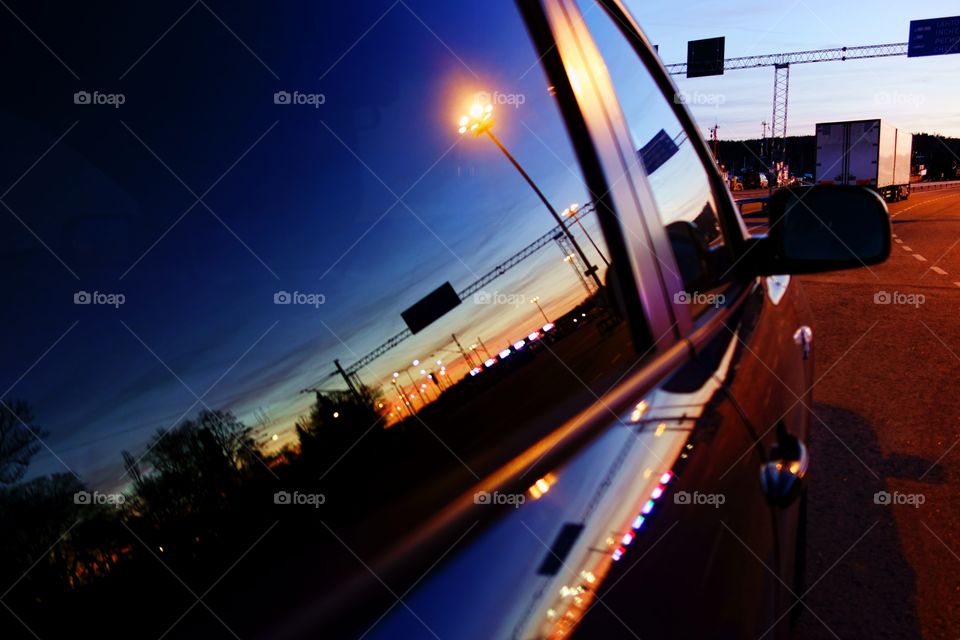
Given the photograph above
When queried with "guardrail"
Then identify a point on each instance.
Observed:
(934, 186)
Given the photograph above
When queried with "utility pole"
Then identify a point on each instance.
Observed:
(763, 140)
(483, 346)
(466, 358)
(348, 380)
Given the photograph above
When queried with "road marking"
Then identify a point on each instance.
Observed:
(919, 257)
(897, 240)
(938, 270)
(905, 247)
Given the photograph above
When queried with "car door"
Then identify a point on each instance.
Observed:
(644, 515)
(718, 309)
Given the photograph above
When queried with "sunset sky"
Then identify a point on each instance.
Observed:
(372, 199)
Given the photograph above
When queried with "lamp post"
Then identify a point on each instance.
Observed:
(570, 212)
(478, 121)
(536, 300)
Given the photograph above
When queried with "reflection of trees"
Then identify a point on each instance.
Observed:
(196, 499)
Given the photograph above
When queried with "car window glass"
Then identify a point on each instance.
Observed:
(683, 195)
(266, 279)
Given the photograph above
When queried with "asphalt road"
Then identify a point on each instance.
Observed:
(888, 402)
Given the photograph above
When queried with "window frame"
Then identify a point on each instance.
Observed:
(732, 226)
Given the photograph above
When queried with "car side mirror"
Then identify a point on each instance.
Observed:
(823, 228)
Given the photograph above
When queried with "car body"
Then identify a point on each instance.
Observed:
(673, 505)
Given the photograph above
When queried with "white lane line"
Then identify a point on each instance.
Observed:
(905, 247)
(938, 270)
(919, 257)
(898, 240)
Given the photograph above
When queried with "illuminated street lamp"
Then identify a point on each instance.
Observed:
(536, 300)
(570, 212)
(479, 120)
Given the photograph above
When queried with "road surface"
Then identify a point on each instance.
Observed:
(888, 395)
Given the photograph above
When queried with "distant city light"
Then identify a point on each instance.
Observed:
(503, 354)
(416, 363)
(275, 437)
(490, 362)
(533, 336)
(336, 414)
(548, 326)
(519, 344)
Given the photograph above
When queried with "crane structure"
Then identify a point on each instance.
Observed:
(556, 234)
(781, 76)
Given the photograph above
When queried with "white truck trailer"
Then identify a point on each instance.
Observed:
(870, 153)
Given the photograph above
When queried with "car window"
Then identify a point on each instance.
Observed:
(281, 295)
(686, 204)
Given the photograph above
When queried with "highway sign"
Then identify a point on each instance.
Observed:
(934, 37)
(431, 307)
(656, 152)
(705, 57)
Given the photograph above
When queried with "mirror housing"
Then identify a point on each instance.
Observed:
(822, 228)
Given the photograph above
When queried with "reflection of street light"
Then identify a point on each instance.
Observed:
(479, 121)
(570, 212)
(536, 300)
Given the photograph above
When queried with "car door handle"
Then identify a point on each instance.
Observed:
(804, 337)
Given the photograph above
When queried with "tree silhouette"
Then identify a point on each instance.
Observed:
(19, 440)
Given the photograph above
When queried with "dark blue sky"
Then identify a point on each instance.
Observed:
(304, 205)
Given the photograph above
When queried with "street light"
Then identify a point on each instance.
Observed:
(570, 212)
(479, 120)
(536, 300)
